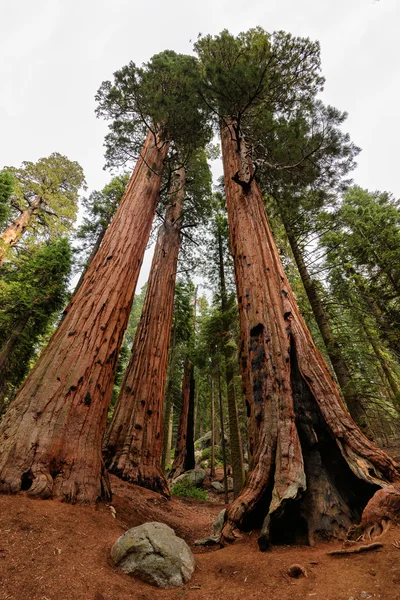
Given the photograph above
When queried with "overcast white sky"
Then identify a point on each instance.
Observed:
(54, 54)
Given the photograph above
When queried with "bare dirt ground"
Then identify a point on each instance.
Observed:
(54, 551)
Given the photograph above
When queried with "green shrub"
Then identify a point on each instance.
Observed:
(185, 487)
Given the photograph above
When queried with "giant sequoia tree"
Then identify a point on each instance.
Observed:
(313, 471)
(133, 442)
(52, 432)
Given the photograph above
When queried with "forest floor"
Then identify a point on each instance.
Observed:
(54, 551)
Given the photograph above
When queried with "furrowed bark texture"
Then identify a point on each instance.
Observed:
(313, 470)
(183, 461)
(16, 230)
(353, 401)
(51, 434)
(133, 443)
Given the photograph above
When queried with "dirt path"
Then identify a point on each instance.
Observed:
(53, 551)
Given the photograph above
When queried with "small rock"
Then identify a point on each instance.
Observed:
(196, 476)
(365, 595)
(296, 571)
(211, 540)
(218, 487)
(152, 552)
(219, 521)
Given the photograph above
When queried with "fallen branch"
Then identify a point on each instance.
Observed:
(374, 546)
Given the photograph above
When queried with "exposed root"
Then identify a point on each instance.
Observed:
(229, 534)
(359, 550)
(381, 511)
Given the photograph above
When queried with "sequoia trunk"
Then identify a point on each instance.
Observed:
(333, 349)
(313, 470)
(133, 443)
(52, 432)
(11, 236)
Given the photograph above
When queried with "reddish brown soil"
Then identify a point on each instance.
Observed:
(54, 551)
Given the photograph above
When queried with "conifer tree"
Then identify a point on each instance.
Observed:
(51, 434)
(307, 451)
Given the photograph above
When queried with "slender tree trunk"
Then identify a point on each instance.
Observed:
(393, 384)
(234, 429)
(339, 364)
(169, 439)
(313, 470)
(190, 461)
(133, 443)
(179, 464)
(8, 347)
(52, 432)
(223, 443)
(11, 236)
(196, 408)
(212, 460)
(168, 406)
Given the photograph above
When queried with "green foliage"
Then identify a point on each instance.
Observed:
(51, 187)
(257, 72)
(186, 488)
(33, 290)
(160, 96)
(6, 189)
(363, 245)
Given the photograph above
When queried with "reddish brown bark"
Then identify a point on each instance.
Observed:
(52, 432)
(133, 443)
(313, 470)
(181, 463)
(16, 230)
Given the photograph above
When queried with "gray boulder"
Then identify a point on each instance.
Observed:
(217, 486)
(219, 521)
(153, 553)
(196, 476)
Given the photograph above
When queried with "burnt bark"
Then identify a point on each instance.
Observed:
(339, 364)
(133, 443)
(312, 470)
(184, 448)
(52, 432)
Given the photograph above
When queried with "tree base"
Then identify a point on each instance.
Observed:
(149, 477)
(73, 486)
